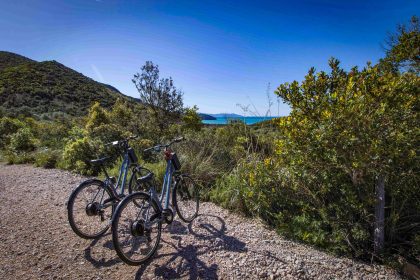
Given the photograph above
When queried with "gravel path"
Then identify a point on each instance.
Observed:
(37, 243)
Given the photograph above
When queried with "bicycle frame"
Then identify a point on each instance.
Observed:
(166, 187)
(122, 176)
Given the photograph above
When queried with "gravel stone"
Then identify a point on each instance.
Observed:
(37, 242)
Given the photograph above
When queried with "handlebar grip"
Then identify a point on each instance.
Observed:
(114, 143)
(179, 139)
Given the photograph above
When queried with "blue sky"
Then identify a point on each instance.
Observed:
(220, 53)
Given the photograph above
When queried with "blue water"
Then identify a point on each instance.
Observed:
(247, 120)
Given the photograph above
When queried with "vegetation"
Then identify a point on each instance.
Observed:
(48, 89)
(338, 172)
(162, 97)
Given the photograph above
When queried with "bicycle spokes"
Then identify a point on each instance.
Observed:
(137, 229)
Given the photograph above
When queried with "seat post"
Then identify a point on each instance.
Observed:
(104, 169)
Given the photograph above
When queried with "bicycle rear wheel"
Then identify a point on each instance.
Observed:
(185, 198)
(86, 214)
(136, 228)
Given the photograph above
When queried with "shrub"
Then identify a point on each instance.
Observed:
(47, 158)
(22, 140)
(8, 126)
(19, 158)
(346, 129)
(191, 119)
(251, 188)
(108, 133)
(97, 116)
(77, 155)
(51, 134)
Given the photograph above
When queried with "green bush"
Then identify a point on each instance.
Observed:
(22, 141)
(52, 134)
(191, 119)
(19, 158)
(8, 126)
(345, 130)
(78, 153)
(251, 188)
(47, 158)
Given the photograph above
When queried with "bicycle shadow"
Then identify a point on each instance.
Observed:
(103, 261)
(185, 259)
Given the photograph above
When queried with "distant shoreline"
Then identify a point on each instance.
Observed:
(226, 120)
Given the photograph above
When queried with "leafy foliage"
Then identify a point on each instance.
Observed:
(47, 158)
(8, 126)
(22, 140)
(163, 98)
(191, 119)
(77, 155)
(403, 48)
(346, 129)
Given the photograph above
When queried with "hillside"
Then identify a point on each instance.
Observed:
(8, 59)
(206, 116)
(42, 88)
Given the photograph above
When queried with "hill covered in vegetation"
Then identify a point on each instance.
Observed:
(44, 88)
(8, 59)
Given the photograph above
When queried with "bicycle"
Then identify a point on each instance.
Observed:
(137, 221)
(91, 205)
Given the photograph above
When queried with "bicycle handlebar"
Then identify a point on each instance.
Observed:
(119, 142)
(158, 147)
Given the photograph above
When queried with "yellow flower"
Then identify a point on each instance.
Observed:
(326, 114)
(251, 179)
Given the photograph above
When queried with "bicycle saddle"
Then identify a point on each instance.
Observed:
(99, 160)
(145, 178)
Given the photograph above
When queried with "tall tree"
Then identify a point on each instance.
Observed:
(162, 97)
(402, 48)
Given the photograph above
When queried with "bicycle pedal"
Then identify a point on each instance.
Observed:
(168, 216)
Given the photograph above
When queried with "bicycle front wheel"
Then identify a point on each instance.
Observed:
(87, 214)
(136, 228)
(186, 198)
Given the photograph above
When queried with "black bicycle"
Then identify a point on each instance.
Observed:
(137, 222)
(91, 205)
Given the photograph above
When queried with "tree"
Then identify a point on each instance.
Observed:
(347, 132)
(162, 97)
(191, 119)
(96, 117)
(403, 48)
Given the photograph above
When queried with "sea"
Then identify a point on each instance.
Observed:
(247, 120)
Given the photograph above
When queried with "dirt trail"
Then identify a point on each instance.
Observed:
(37, 243)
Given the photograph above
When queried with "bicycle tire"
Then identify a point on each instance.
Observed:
(70, 208)
(186, 193)
(116, 224)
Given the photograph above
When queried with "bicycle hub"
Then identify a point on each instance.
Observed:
(92, 209)
(137, 228)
